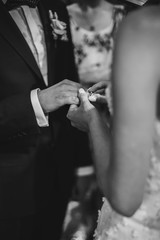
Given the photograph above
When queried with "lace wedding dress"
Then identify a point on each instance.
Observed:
(145, 223)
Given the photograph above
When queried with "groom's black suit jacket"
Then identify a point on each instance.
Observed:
(36, 164)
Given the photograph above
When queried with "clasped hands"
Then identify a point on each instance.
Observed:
(82, 103)
(83, 113)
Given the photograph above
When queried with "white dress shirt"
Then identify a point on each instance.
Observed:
(29, 23)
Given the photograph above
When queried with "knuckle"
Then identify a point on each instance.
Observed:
(73, 124)
(66, 81)
(68, 115)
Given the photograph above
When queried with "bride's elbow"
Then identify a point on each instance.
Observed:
(124, 206)
(123, 210)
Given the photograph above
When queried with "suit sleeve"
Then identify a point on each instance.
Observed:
(17, 117)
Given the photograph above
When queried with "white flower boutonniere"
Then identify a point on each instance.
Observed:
(59, 30)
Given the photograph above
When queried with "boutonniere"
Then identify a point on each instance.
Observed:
(59, 30)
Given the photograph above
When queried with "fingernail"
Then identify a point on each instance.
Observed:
(76, 100)
(81, 90)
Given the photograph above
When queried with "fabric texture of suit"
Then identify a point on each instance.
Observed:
(36, 164)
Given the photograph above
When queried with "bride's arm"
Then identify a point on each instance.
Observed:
(88, 118)
(135, 84)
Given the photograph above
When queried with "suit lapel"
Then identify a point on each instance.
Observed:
(12, 34)
(51, 54)
(50, 46)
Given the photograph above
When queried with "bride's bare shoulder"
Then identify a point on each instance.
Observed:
(139, 38)
(147, 18)
(141, 27)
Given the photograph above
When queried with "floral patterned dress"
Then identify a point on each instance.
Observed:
(145, 223)
(93, 50)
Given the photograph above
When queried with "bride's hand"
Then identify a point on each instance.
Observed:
(97, 98)
(81, 115)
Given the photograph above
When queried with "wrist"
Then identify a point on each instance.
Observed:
(98, 123)
(94, 117)
(42, 100)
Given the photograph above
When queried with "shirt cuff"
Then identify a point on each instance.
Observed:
(42, 120)
(84, 171)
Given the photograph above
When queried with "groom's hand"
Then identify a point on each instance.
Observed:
(97, 93)
(58, 95)
(99, 87)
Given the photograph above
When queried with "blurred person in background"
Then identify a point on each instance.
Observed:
(93, 26)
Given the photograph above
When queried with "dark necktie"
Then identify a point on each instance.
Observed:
(12, 4)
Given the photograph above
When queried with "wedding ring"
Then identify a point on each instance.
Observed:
(90, 93)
